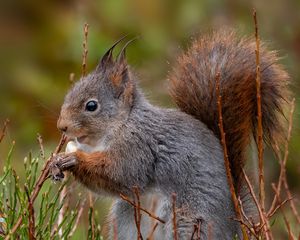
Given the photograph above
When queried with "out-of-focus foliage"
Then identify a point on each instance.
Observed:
(44, 219)
(41, 44)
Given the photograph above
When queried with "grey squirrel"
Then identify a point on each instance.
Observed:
(124, 141)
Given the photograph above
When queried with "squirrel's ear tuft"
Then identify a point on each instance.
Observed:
(107, 58)
(122, 55)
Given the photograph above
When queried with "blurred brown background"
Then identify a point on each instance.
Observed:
(41, 44)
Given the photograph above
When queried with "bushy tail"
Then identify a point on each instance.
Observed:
(193, 86)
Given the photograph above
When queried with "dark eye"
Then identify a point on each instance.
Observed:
(91, 106)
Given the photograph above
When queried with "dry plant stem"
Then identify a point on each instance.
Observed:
(278, 207)
(291, 236)
(292, 204)
(174, 216)
(91, 205)
(150, 237)
(263, 220)
(153, 209)
(138, 213)
(42, 150)
(259, 118)
(226, 159)
(282, 176)
(85, 51)
(285, 158)
(62, 200)
(197, 230)
(80, 211)
(39, 183)
(2, 134)
(141, 208)
(31, 220)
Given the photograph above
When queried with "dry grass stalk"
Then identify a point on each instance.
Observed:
(2, 134)
(259, 118)
(197, 230)
(283, 177)
(151, 234)
(64, 201)
(80, 212)
(174, 216)
(138, 213)
(31, 227)
(291, 235)
(226, 159)
(150, 214)
(42, 178)
(263, 220)
(85, 51)
(91, 205)
(42, 150)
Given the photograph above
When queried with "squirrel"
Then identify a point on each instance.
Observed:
(124, 141)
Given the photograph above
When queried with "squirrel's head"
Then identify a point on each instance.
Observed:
(100, 101)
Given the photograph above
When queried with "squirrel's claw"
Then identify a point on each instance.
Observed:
(61, 163)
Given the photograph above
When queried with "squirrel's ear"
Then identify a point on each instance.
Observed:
(121, 78)
(122, 83)
(107, 58)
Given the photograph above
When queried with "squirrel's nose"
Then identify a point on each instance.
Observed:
(63, 129)
(61, 125)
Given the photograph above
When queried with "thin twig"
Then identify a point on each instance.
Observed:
(291, 236)
(259, 118)
(85, 51)
(225, 152)
(64, 201)
(278, 206)
(91, 205)
(263, 220)
(79, 214)
(138, 213)
(285, 158)
(39, 183)
(31, 226)
(2, 134)
(142, 209)
(42, 150)
(151, 234)
(175, 237)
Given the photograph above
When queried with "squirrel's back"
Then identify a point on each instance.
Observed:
(193, 87)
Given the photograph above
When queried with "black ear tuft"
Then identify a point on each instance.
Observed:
(122, 55)
(107, 57)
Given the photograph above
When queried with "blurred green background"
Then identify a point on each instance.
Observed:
(41, 44)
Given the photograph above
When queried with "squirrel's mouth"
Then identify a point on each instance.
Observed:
(82, 139)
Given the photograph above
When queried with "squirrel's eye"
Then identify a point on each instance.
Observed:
(91, 106)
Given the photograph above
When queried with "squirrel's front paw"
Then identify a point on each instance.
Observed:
(60, 163)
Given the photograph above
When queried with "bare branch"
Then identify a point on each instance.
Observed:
(2, 133)
(174, 216)
(142, 209)
(225, 152)
(138, 213)
(85, 51)
(259, 118)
